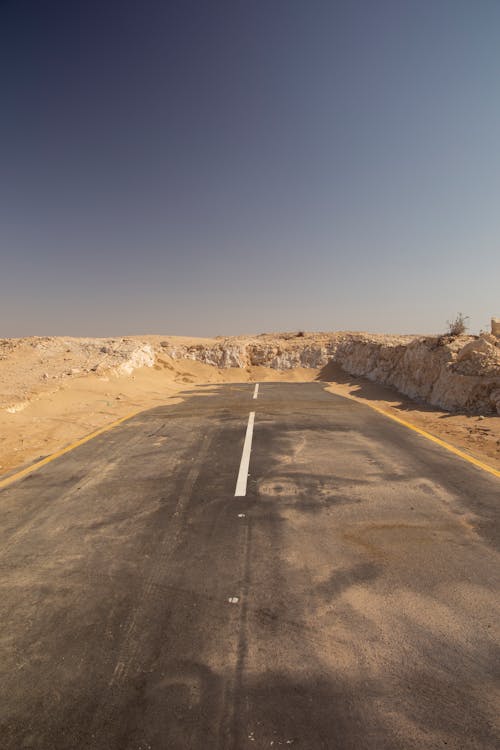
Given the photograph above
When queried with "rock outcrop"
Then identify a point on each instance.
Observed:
(455, 374)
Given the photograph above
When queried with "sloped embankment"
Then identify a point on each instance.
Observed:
(35, 365)
(461, 374)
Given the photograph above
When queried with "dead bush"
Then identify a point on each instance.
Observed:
(458, 326)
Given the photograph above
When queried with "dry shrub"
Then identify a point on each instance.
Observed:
(458, 326)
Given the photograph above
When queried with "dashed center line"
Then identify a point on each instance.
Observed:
(241, 484)
(256, 390)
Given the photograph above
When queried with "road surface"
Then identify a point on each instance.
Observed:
(343, 597)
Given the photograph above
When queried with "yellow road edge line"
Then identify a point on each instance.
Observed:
(30, 469)
(34, 467)
(429, 436)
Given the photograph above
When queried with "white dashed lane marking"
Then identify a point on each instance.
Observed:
(241, 484)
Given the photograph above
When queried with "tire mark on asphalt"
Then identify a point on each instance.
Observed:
(128, 659)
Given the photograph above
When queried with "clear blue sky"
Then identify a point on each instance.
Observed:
(245, 166)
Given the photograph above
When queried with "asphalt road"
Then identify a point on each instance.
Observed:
(347, 601)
